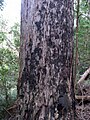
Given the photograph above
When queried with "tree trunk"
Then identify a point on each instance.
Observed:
(46, 89)
(76, 44)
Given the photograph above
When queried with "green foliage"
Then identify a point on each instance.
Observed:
(2, 37)
(3, 29)
(84, 45)
(15, 30)
(84, 6)
(83, 38)
(9, 50)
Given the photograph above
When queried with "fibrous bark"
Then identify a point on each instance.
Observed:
(45, 81)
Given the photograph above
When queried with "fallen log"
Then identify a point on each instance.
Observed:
(82, 98)
(84, 76)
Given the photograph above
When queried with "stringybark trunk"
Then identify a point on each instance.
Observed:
(45, 82)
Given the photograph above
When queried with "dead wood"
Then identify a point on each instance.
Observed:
(84, 76)
(82, 97)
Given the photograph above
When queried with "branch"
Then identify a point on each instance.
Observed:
(84, 76)
(10, 44)
(82, 97)
(8, 112)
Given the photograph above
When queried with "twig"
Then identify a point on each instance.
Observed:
(8, 112)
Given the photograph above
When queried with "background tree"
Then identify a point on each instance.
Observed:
(83, 38)
(45, 81)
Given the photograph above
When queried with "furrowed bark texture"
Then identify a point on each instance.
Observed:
(46, 85)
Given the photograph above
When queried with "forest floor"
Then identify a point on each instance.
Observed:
(83, 106)
(83, 112)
